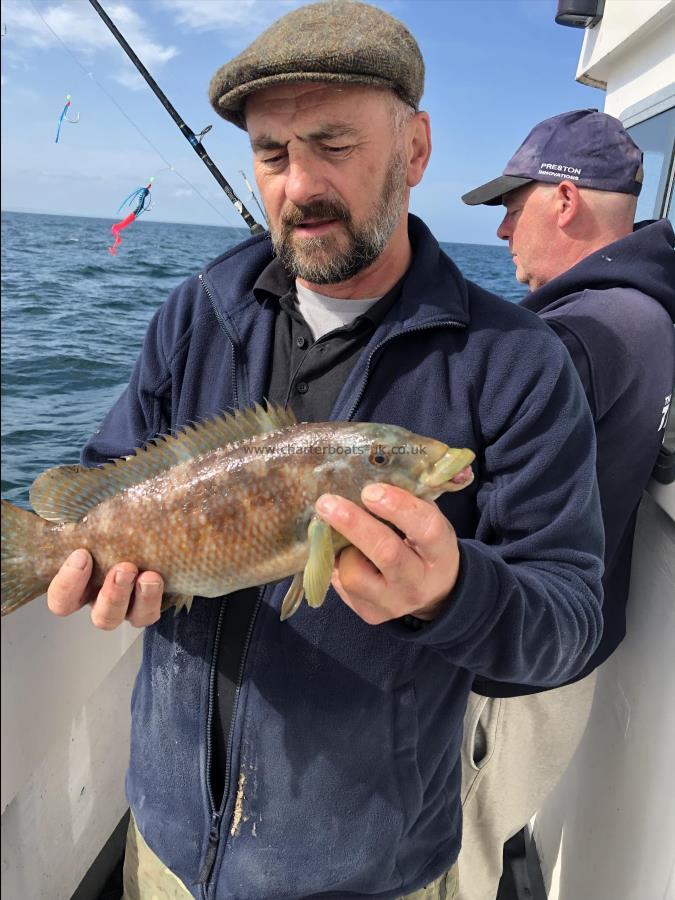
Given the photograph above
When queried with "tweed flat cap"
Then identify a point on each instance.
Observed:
(340, 41)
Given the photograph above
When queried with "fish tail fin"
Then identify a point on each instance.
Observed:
(20, 534)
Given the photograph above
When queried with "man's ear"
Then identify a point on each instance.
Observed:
(567, 202)
(419, 147)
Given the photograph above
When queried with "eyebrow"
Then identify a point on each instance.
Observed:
(323, 133)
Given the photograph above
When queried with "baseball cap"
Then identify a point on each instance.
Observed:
(337, 41)
(587, 147)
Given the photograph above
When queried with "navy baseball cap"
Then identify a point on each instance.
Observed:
(584, 146)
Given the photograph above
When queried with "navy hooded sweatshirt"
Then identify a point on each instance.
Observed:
(614, 312)
(343, 756)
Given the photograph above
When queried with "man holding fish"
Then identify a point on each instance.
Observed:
(320, 756)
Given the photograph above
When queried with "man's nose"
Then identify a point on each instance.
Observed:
(304, 182)
(503, 232)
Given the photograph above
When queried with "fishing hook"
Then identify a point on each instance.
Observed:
(65, 118)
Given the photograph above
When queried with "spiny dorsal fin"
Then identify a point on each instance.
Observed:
(67, 493)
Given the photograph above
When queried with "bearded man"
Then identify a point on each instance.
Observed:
(320, 757)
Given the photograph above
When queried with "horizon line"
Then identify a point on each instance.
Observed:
(38, 212)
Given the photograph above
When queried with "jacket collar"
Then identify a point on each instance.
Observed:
(643, 261)
(433, 291)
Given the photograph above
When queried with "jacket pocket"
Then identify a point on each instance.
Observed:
(405, 740)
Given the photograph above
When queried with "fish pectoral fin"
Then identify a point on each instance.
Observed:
(319, 568)
(293, 597)
(177, 600)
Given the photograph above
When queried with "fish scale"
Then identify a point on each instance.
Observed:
(219, 506)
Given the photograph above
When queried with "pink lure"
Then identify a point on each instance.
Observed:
(116, 228)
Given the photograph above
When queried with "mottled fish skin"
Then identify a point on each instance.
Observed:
(238, 515)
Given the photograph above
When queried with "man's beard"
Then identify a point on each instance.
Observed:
(325, 260)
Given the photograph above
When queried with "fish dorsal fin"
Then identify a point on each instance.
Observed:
(67, 493)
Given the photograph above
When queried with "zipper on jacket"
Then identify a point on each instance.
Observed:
(393, 337)
(211, 850)
(216, 816)
(240, 677)
(223, 325)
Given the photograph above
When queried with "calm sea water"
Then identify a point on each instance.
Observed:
(74, 318)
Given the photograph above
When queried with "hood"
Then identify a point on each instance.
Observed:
(644, 261)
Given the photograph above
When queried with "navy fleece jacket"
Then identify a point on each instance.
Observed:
(614, 311)
(343, 771)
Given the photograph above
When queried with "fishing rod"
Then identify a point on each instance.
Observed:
(195, 140)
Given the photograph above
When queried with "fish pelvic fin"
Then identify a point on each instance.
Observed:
(180, 601)
(67, 493)
(20, 537)
(293, 598)
(319, 568)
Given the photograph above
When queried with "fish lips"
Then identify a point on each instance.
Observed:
(445, 469)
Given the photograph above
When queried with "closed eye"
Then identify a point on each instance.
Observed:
(273, 160)
(337, 151)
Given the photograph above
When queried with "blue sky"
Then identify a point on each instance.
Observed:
(494, 69)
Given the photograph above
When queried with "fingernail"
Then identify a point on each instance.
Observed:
(78, 559)
(124, 578)
(326, 503)
(373, 492)
(149, 587)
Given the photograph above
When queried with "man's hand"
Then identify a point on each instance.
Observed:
(384, 576)
(124, 595)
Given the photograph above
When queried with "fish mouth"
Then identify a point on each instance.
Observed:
(444, 470)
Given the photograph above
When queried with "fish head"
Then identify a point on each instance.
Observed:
(421, 465)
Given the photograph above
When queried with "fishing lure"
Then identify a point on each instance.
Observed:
(64, 118)
(141, 197)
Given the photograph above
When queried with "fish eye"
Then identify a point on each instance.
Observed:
(379, 457)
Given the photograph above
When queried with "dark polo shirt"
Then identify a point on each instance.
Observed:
(306, 375)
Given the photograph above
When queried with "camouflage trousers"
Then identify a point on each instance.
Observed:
(147, 878)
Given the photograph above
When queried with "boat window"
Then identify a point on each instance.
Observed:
(656, 138)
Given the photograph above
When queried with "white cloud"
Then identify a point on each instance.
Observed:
(135, 31)
(73, 23)
(82, 31)
(129, 78)
(206, 15)
(216, 15)
(183, 192)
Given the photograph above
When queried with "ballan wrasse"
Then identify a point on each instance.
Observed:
(219, 506)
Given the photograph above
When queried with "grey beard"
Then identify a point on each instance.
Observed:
(318, 262)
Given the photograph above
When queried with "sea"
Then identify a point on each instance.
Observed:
(73, 320)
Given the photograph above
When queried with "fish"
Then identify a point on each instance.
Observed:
(219, 505)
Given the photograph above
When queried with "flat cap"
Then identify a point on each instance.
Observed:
(341, 41)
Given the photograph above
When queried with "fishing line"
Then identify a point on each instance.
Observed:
(131, 121)
(253, 195)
